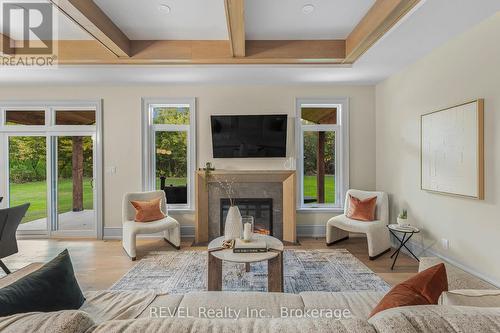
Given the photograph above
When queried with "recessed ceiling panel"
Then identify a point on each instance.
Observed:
(168, 19)
(303, 19)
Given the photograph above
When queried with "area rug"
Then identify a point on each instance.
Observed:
(304, 270)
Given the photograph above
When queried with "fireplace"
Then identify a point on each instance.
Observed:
(260, 209)
(276, 185)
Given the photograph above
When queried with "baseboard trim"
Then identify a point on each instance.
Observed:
(311, 230)
(420, 251)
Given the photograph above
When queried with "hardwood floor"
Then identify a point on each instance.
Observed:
(98, 264)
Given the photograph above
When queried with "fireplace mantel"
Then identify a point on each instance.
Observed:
(285, 177)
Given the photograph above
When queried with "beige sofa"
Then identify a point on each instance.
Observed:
(108, 312)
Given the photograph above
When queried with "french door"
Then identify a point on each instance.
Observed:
(55, 166)
(73, 185)
(61, 186)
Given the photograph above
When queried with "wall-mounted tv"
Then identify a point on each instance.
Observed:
(249, 136)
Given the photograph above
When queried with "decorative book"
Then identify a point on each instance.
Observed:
(255, 246)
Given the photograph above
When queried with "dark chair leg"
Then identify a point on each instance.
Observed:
(380, 254)
(169, 242)
(337, 241)
(5, 269)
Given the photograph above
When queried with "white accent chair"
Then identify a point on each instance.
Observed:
(170, 227)
(377, 233)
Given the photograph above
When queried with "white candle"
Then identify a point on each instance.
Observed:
(247, 231)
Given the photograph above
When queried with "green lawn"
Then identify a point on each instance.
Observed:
(310, 188)
(36, 194)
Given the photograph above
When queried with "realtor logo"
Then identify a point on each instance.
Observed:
(30, 24)
(28, 27)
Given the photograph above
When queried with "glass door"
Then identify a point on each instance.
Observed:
(51, 157)
(27, 180)
(74, 190)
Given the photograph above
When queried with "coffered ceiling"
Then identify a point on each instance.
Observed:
(221, 31)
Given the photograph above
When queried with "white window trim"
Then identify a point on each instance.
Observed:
(341, 145)
(148, 142)
(49, 130)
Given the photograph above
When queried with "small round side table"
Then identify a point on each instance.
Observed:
(408, 232)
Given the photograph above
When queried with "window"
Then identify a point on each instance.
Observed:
(169, 149)
(25, 117)
(322, 150)
(75, 117)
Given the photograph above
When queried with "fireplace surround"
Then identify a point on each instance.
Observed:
(280, 185)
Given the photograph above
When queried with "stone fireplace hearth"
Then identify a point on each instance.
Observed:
(279, 186)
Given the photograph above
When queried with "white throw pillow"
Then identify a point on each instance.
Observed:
(471, 297)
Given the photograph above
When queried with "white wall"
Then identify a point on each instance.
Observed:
(466, 68)
(122, 129)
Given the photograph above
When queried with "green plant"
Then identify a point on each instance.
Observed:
(208, 171)
(403, 215)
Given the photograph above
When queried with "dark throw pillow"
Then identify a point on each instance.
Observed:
(53, 287)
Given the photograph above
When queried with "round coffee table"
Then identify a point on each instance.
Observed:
(274, 258)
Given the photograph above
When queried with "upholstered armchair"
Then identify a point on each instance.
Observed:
(9, 222)
(377, 234)
(169, 226)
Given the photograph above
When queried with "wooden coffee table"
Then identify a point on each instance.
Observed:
(274, 258)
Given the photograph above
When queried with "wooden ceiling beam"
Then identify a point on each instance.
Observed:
(297, 51)
(235, 18)
(92, 19)
(205, 52)
(6, 45)
(383, 15)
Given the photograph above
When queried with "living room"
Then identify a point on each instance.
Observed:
(247, 160)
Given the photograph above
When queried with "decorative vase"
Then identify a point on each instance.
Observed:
(233, 227)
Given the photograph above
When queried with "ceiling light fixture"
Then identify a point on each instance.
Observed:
(308, 9)
(165, 8)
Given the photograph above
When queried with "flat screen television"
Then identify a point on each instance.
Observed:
(249, 136)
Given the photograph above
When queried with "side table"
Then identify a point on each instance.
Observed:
(407, 232)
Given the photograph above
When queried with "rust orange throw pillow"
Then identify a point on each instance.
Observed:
(363, 210)
(147, 211)
(422, 289)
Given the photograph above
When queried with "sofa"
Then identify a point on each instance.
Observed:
(144, 311)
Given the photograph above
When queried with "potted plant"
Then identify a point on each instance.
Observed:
(403, 218)
(208, 170)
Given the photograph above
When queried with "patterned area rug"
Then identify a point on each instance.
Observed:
(304, 270)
